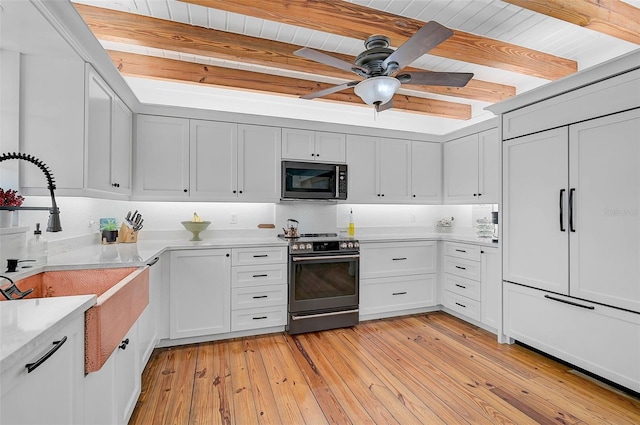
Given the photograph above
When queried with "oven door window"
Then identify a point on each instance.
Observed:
(324, 284)
(309, 181)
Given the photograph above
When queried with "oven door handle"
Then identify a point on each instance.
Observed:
(332, 313)
(328, 257)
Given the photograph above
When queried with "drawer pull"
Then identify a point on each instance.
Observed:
(400, 293)
(260, 255)
(461, 305)
(56, 346)
(399, 258)
(461, 268)
(260, 275)
(260, 296)
(124, 344)
(588, 307)
(460, 250)
(461, 286)
(259, 317)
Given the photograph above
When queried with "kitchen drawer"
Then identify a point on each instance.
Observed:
(397, 293)
(461, 286)
(458, 250)
(264, 255)
(462, 305)
(463, 268)
(390, 259)
(256, 318)
(258, 296)
(263, 274)
(600, 339)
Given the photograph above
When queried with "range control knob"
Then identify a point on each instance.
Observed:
(294, 247)
(356, 244)
(350, 244)
(309, 246)
(343, 245)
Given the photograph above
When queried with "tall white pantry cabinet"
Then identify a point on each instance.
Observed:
(571, 228)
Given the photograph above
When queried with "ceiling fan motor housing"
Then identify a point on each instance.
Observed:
(377, 51)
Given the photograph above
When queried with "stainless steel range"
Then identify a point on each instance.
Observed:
(323, 282)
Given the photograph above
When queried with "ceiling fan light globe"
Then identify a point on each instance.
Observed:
(377, 89)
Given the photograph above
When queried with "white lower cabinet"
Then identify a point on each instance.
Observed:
(199, 292)
(148, 322)
(53, 392)
(471, 282)
(111, 392)
(397, 277)
(259, 290)
(599, 339)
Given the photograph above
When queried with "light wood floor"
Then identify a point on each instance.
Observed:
(423, 369)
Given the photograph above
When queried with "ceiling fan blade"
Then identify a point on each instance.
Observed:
(330, 90)
(317, 56)
(428, 78)
(384, 106)
(427, 37)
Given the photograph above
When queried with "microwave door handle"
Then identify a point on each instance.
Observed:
(337, 181)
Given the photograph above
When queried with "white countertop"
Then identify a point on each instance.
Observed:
(26, 324)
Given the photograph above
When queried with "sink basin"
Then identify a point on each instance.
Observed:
(122, 295)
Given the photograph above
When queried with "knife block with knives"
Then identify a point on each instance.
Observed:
(129, 229)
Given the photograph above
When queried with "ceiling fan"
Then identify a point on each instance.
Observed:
(381, 67)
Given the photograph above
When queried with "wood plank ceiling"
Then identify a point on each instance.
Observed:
(249, 45)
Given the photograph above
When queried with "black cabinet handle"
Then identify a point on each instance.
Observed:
(562, 229)
(400, 293)
(260, 296)
(152, 262)
(461, 305)
(461, 286)
(571, 192)
(227, 255)
(234, 191)
(461, 268)
(260, 318)
(56, 346)
(260, 255)
(260, 275)
(588, 307)
(185, 190)
(460, 250)
(124, 344)
(399, 259)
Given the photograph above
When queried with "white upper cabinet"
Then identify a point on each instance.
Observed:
(52, 123)
(259, 152)
(472, 169)
(162, 158)
(307, 145)
(379, 169)
(426, 172)
(108, 138)
(213, 165)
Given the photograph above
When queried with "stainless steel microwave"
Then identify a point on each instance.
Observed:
(314, 180)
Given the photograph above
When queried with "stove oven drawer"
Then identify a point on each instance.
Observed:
(264, 274)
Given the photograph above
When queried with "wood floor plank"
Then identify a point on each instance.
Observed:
(429, 368)
(212, 385)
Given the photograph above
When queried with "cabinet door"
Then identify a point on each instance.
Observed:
(604, 179)
(330, 147)
(535, 223)
(148, 328)
(259, 153)
(426, 172)
(162, 157)
(213, 164)
(54, 134)
(121, 148)
(461, 170)
(491, 288)
(99, 129)
(200, 292)
(127, 375)
(489, 167)
(392, 259)
(298, 144)
(362, 158)
(53, 393)
(395, 170)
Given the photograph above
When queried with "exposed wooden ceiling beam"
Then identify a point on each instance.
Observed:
(156, 33)
(169, 69)
(352, 20)
(613, 17)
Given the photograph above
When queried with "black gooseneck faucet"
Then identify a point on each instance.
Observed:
(53, 225)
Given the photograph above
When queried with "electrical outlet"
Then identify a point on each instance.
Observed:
(234, 218)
